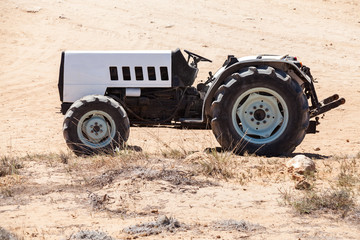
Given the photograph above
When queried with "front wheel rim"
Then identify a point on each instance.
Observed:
(96, 129)
(260, 115)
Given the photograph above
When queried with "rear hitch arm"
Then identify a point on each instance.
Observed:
(321, 107)
(327, 104)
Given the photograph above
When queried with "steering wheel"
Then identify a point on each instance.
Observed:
(196, 58)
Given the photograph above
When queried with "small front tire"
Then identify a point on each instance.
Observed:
(95, 124)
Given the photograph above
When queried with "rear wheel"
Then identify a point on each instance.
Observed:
(260, 110)
(95, 124)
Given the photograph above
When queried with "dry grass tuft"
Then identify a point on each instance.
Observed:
(9, 170)
(9, 165)
(174, 153)
(348, 176)
(311, 201)
(216, 164)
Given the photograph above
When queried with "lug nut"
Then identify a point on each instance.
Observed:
(264, 121)
(251, 113)
(252, 119)
(254, 107)
(268, 116)
(258, 123)
(266, 109)
(261, 106)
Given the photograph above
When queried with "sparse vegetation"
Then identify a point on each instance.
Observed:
(182, 172)
(217, 164)
(64, 157)
(9, 165)
(174, 153)
(348, 176)
(336, 200)
(340, 197)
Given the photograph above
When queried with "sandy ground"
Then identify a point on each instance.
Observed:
(324, 34)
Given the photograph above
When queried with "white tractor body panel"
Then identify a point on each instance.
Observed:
(92, 72)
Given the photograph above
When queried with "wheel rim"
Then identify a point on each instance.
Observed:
(260, 115)
(96, 129)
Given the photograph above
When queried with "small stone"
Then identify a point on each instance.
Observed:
(300, 164)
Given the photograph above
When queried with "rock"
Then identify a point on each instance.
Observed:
(300, 164)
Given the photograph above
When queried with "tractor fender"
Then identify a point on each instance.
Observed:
(288, 67)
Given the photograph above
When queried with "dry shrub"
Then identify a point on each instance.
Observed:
(174, 153)
(348, 176)
(335, 200)
(214, 164)
(9, 165)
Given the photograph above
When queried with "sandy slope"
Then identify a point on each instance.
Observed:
(324, 34)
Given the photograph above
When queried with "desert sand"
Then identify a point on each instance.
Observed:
(323, 34)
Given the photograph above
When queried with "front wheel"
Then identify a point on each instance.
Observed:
(95, 124)
(260, 110)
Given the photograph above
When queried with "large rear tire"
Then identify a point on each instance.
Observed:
(95, 124)
(260, 110)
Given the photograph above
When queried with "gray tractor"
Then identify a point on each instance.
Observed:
(261, 104)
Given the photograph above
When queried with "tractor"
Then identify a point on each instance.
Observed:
(262, 104)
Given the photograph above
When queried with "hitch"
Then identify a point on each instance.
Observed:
(326, 105)
(312, 126)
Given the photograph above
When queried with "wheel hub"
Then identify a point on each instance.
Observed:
(260, 114)
(96, 128)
